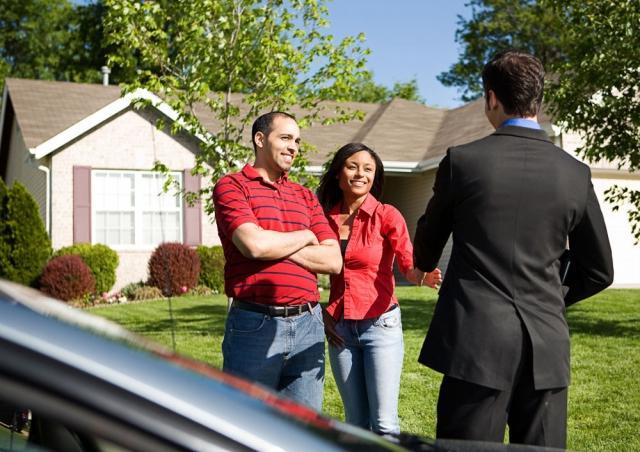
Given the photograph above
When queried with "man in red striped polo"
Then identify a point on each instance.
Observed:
(275, 239)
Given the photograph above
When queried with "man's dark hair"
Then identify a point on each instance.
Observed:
(517, 79)
(263, 124)
(329, 192)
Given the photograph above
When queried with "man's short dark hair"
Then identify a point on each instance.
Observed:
(517, 79)
(263, 124)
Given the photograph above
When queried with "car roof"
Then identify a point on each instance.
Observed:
(104, 350)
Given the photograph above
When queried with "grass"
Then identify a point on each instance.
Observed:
(604, 398)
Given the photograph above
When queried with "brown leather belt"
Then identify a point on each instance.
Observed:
(274, 311)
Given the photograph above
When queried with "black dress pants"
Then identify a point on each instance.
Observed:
(473, 412)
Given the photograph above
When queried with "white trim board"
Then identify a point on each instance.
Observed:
(91, 121)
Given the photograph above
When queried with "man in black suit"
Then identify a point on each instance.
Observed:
(512, 201)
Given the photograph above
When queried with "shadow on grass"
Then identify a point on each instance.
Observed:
(195, 319)
(209, 317)
(587, 324)
(416, 314)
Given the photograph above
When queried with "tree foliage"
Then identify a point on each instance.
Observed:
(591, 49)
(51, 40)
(497, 25)
(367, 90)
(597, 89)
(195, 55)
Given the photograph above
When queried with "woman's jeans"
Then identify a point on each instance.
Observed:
(283, 353)
(367, 371)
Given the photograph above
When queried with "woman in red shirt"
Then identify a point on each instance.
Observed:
(362, 319)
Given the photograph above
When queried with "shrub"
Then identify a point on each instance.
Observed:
(324, 282)
(67, 278)
(211, 267)
(201, 291)
(130, 288)
(146, 293)
(174, 268)
(25, 247)
(102, 261)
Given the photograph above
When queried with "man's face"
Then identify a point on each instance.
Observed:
(277, 150)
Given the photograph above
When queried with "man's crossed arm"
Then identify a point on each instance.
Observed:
(301, 247)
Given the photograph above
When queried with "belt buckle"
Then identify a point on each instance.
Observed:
(286, 311)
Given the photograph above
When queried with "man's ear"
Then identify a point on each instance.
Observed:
(259, 139)
(491, 100)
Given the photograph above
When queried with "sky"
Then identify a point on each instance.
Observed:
(408, 39)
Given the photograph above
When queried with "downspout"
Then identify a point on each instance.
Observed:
(47, 197)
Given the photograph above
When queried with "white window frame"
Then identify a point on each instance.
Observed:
(138, 209)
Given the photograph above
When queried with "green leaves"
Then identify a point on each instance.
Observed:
(591, 49)
(196, 55)
(497, 25)
(24, 243)
(596, 90)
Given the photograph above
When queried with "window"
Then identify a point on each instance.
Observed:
(130, 209)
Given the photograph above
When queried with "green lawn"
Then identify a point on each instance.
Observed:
(604, 398)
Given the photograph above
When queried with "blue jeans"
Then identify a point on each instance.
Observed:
(367, 371)
(282, 353)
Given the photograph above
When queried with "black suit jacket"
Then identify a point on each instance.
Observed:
(512, 201)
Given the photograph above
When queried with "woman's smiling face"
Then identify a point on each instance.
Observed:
(357, 175)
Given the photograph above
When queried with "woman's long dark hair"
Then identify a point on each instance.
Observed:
(329, 192)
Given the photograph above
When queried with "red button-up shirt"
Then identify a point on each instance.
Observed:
(365, 287)
(284, 206)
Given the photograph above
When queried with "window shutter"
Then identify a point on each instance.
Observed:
(81, 204)
(192, 214)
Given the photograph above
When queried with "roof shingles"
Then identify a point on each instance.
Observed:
(401, 130)
(43, 109)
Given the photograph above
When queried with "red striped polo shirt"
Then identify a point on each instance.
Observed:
(284, 206)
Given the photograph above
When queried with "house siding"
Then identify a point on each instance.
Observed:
(129, 141)
(21, 167)
(626, 255)
(410, 195)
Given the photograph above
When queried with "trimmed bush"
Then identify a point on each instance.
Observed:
(67, 278)
(174, 268)
(211, 267)
(102, 261)
(5, 248)
(25, 247)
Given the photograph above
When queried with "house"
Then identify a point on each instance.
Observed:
(86, 154)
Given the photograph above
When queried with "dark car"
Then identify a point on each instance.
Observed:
(70, 381)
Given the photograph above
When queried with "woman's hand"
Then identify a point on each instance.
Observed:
(415, 276)
(420, 278)
(432, 279)
(330, 330)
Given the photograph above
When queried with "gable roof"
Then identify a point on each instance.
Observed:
(44, 109)
(407, 135)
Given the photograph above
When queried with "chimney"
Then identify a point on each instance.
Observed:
(105, 75)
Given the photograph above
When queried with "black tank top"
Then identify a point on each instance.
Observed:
(343, 246)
